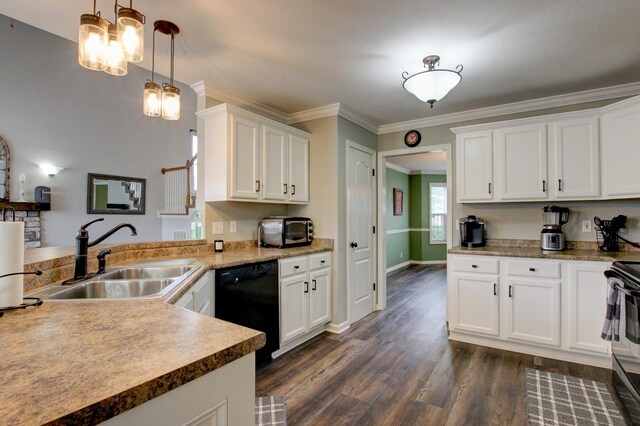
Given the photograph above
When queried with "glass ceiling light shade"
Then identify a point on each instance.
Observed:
(92, 39)
(130, 24)
(165, 101)
(116, 64)
(432, 85)
(170, 102)
(152, 102)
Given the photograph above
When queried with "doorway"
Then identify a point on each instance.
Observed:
(426, 227)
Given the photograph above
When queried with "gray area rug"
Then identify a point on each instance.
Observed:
(555, 399)
(271, 411)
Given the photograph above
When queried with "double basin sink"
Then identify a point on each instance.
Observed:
(131, 282)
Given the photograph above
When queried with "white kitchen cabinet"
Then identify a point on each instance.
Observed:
(476, 305)
(575, 158)
(586, 307)
(522, 162)
(200, 297)
(533, 311)
(475, 166)
(621, 149)
(254, 159)
(305, 294)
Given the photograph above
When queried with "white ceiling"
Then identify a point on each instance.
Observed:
(295, 55)
(428, 162)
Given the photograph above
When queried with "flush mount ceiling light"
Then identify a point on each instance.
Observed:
(163, 100)
(106, 46)
(432, 85)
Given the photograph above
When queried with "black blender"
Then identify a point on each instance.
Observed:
(551, 237)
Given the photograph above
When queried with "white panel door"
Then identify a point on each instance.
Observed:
(319, 297)
(293, 307)
(575, 145)
(533, 311)
(274, 164)
(587, 296)
(522, 162)
(476, 304)
(475, 166)
(621, 150)
(245, 159)
(298, 169)
(360, 220)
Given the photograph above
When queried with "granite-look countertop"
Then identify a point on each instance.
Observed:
(82, 362)
(574, 252)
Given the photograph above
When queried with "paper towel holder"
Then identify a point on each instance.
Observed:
(34, 301)
(4, 214)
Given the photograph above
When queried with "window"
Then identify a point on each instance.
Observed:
(438, 213)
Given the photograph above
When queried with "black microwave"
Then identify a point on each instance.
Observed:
(286, 231)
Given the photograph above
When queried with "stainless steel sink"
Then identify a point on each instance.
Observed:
(144, 272)
(114, 289)
(130, 282)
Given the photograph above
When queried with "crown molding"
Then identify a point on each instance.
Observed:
(204, 88)
(397, 168)
(357, 118)
(605, 93)
(314, 113)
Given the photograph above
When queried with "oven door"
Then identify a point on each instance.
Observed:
(296, 232)
(626, 351)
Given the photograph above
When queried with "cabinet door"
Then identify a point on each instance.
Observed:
(293, 309)
(274, 164)
(298, 169)
(621, 150)
(320, 297)
(522, 162)
(576, 158)
(586, 306)
(475, 166)
(475, 306)
(533, 311)
(245, 173)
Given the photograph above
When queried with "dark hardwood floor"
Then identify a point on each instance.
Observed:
(397, 367)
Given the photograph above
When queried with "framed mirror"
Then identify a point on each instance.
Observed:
(5, 159)
(108, 194)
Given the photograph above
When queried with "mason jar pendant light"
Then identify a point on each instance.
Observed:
(92, 40)
(130, 25)
(116, 64)
(163, 101)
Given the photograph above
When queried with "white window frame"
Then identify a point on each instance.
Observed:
(438, 185)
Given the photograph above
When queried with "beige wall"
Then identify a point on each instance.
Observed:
(522, 220)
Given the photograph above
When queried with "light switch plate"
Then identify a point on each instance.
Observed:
(233, 227)
(218, 228)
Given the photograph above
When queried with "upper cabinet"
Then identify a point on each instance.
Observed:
(583, 155)
(251, 158)
(621, 149)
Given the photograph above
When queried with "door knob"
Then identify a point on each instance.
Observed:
(354, 245)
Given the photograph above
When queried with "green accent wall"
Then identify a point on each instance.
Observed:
(397, 244)
(419, 246)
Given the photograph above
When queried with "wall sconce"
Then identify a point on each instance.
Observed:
(50, 170)
(162, 100)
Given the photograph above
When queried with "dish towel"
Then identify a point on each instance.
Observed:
(611, 328)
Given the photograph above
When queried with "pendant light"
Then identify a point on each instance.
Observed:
(432, 85)
(116, 64)
(130, 25)
(152, 100)
(169, 95)
(92, 39)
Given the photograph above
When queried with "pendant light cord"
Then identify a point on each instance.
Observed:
(153, 56)
(172, 53)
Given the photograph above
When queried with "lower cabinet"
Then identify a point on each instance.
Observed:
(305, 295)
(551, 308)
(200, 297)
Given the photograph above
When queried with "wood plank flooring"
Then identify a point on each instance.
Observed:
(397, 367)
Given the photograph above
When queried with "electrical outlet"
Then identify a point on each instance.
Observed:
(233, 227)
(218, 228)
(586, 226)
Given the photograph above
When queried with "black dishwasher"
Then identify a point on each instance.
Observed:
(248, 295)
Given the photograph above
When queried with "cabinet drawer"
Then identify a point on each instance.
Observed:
(292, 266)
(533, 268)
(321, 260)
(473, 264)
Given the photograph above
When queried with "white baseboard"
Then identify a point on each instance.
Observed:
(415, 262)
(338, 328)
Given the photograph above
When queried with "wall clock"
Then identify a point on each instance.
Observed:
(412, 138)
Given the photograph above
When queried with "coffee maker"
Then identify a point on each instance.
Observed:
(471, 232)
(551, 237)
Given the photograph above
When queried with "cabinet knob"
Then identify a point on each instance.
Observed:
(474, 266)
(296, 267)
(354, 245)
(323, 261)
(532, 269)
